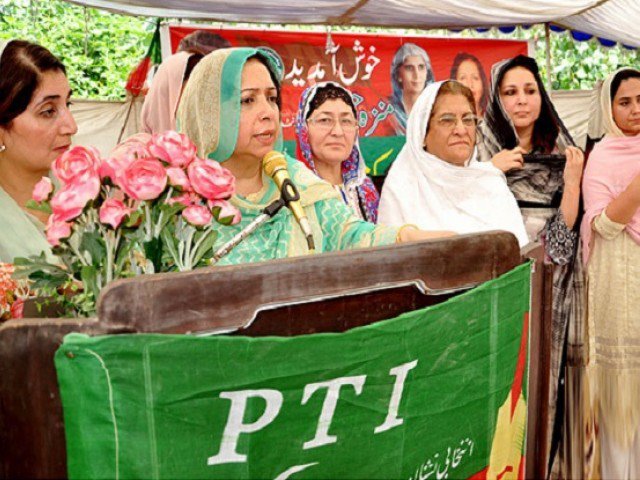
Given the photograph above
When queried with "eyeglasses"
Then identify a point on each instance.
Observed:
(450, 121)
(348, 124)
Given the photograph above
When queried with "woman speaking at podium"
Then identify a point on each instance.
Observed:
(231, 110)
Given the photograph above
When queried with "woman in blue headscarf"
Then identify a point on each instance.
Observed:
(327, 131)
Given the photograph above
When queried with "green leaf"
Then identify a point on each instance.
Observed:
(124, 249)
(89, 275)
(39, 206)
(169, 212)
(206, 247)
(93, 243)
(153, 252)
(170, 243)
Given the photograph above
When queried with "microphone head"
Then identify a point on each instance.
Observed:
(272, 162)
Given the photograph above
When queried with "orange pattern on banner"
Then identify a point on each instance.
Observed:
(506, 460)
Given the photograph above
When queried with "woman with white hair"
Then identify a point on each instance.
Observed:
(411, 72)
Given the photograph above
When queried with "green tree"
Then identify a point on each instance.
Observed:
(574, 65)
(98, 48)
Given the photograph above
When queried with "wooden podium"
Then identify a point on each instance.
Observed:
(322, 293)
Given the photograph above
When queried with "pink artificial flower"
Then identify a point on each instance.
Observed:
(173, 148)
(224, 212)
(112, 165)
(113, 211)
(69, 202)
(17, 309)
(198, 215)
(178, 178)
(42, 190)
(186, 199)
(143, 179)
(77, 164)
(56, 230)
(211, 180)
(124, 153)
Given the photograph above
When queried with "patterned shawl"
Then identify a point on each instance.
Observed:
(159, 109)
(354, 174)
(535, 182)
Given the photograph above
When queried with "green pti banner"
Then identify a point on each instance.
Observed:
(432, 394)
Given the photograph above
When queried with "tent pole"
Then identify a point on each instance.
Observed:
(547, 39)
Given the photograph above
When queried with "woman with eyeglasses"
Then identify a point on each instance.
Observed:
(327, 131)
(436, 182)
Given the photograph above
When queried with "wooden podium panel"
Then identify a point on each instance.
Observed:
(229, 298)
(32, 442)
(321, 293)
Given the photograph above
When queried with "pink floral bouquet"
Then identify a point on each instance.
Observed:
(150, 207)
(13, 293)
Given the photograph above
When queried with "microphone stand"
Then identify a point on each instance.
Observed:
(288, 193)
(266, 214)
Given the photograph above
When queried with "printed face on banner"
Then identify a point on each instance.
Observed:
(412, 75)
(469, 75)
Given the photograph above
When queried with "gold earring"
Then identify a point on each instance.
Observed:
(2, 148)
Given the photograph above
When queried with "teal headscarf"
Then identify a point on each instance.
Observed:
(209, 111)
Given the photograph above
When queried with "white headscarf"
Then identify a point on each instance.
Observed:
(3, 44)
(424, 190)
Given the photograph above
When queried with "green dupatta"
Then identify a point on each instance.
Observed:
(209, 114)
(21, 235)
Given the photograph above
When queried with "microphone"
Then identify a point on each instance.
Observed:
(275, 166)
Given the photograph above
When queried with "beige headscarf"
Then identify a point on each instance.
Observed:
(209, 112)
(610, 127)
(160, 105)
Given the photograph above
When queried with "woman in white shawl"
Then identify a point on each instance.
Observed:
(436, 182)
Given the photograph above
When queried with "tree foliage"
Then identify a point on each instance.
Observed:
(574, 65)
(100, 48)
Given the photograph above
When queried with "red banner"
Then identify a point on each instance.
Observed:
(361, 62)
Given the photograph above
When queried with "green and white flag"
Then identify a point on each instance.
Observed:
(432, 394)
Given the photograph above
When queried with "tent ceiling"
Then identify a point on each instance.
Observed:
(613, 19)
(617, 20)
